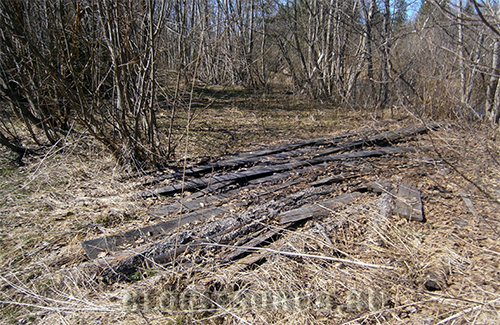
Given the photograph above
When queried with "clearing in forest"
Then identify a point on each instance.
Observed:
(391, 222)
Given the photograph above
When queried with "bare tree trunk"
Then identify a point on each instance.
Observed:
(368, 56)
(263, 47)
(297, 44)
(493, 90)
(461, 53)
(386, 47)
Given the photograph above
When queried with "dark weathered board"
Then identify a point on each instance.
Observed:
(377, 187)
(336, 178)
(209, 189)
(246, 158)
(253, 173)
(409, 203)
(380, 139)
(319, 209)
(192, 205)
(255, 242)
(112, 243)
(279, 176)
(247, 261)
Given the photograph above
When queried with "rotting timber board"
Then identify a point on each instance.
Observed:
(381, 139)
(337, 178)
(112, 243)
(255, 242)
(265, 171)
(316, 210)
(193, 204)
(246, 158)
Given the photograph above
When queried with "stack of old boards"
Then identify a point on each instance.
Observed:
(236, 205)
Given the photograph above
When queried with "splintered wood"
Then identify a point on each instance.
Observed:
(409, 203)
(241, 204)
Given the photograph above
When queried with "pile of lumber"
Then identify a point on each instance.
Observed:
(234, 207)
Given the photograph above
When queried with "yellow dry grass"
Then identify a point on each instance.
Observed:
(48, 207)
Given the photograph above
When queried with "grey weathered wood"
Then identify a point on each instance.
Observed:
(112, 243)
(278, 176)
(209, 189)
(192, 205)
(322, 230)
(246, 158)
(376, 186)
(319, 209)
(468, 203)
(381, 139)
(336, 178)
(246, 262)
(409, 203)
(255, 242)
(265, 171)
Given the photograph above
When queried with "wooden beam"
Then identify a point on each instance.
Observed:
(254, 173)
(143, 235)
(319, 209)
(246, 158)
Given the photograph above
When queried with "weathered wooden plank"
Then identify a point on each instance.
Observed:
(253, 173)
(209, 189)
(380, 139)
(271, 178)
(246, 262)
(319, 209)
(336, 178)
(246, 158)
(139, 236)
(376, 186)
(278, 176)
(192, 205)
(255, 242)
(409, 203)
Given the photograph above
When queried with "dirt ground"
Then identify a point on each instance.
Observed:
(441, 271)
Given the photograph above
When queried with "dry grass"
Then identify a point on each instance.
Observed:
(53, 203)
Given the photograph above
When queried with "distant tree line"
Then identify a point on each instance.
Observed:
(102, 66)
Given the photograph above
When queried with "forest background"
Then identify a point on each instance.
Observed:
(133, 75)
